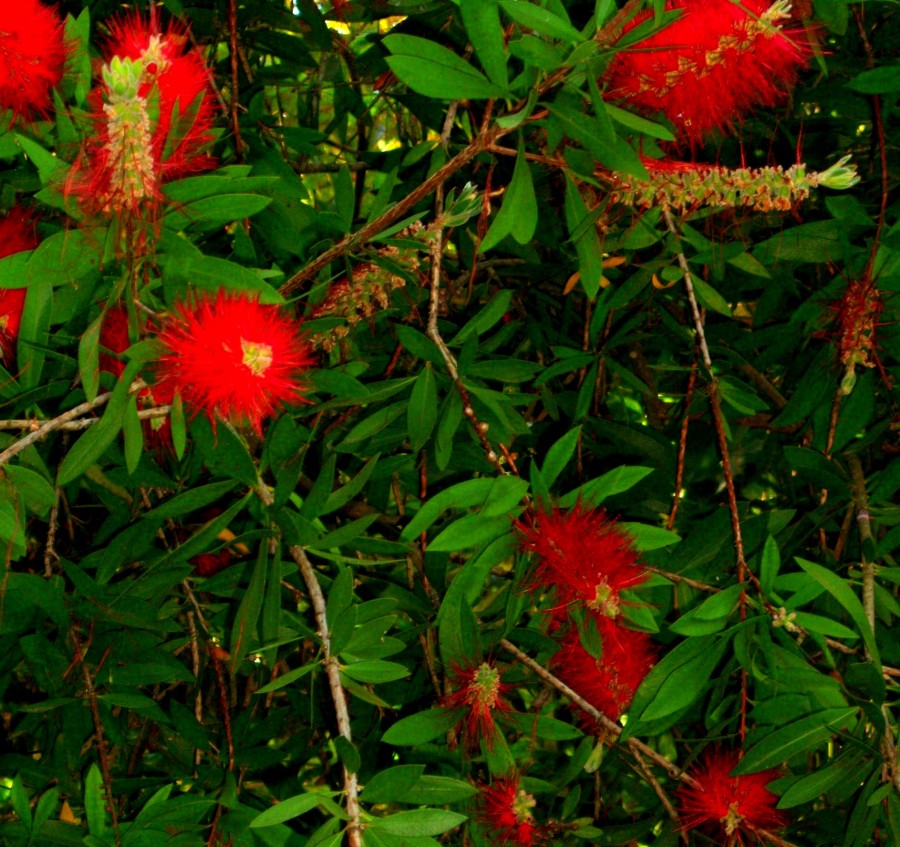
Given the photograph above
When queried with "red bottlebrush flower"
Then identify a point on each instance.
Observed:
(16, 234)
(506, 813)
(607, 683)
(114, 337)
(233, 357)
(858, 314)
(583, 556)
(153, 114)
(729, 807)
(712, 66)
(209, 564)
(480, 690)
(33, 56)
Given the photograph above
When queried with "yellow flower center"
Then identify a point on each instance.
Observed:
(257, 356)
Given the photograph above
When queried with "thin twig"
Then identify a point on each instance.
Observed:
(332, 671)
(235, 79)
(99, 733)
(84, 423)
(59, 422)
(609, 725)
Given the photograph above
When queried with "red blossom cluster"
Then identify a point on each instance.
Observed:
(506, 813)
(479, 690)
(730, 809)
(717, 62)
(17, 233)
(33, 55)
(233, 358)
(587, 561)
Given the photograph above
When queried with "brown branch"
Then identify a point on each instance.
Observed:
(59, 422)
(84, 423)
(234, 57)
(99, 733)
(486, 137)
(609, 725)
(332, 671)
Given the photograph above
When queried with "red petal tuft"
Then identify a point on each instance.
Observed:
(609, 683)
(711, 67)
(479, 690)
(232, 357)
(728, 807)
(583, 556)
(33, 56)
(17, 233)
(506, 812)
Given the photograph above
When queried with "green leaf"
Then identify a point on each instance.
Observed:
(89, 358)
(797, 737)
(94, 442)
(881, 80)
(422, 412)
(343, 495)
(675, 682)
(518, 215)
(434, 71)
(638, 124)
(134, 435)
(469, 531)
(472, 492)
(287, 809)
(216, 211)
(541, 21)
(559, 455)
(243, 631)
(420, 728)
(418, 822)
(611, 483)
(481, 18)
(649, 537)
(437, 790)
(377, 671)
(583, 234)
(841, 591)
(845, 768)
(391, 784)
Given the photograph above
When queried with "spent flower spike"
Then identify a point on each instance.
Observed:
(233, 358)
(33, 55)
(729, 808)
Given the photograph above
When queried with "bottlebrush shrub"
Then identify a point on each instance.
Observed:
(712, 66)
(33, 56)
(492, 556)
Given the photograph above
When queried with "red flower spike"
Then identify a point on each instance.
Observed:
(583, 556)
(16, 234)
(607, 683)
(233, 358)
(153, 114)
(480, 690)
(115, 338)
(712, 66)
(506, 813)
(726, 807)
(33, 57)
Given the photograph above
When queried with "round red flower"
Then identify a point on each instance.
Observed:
(32, 57)
(16, 234)
(583, 556)
(506, 813)
(729, 807)
(717, 62)
(480, 691)
(607, 683)
(153, 114)
(233, 358)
